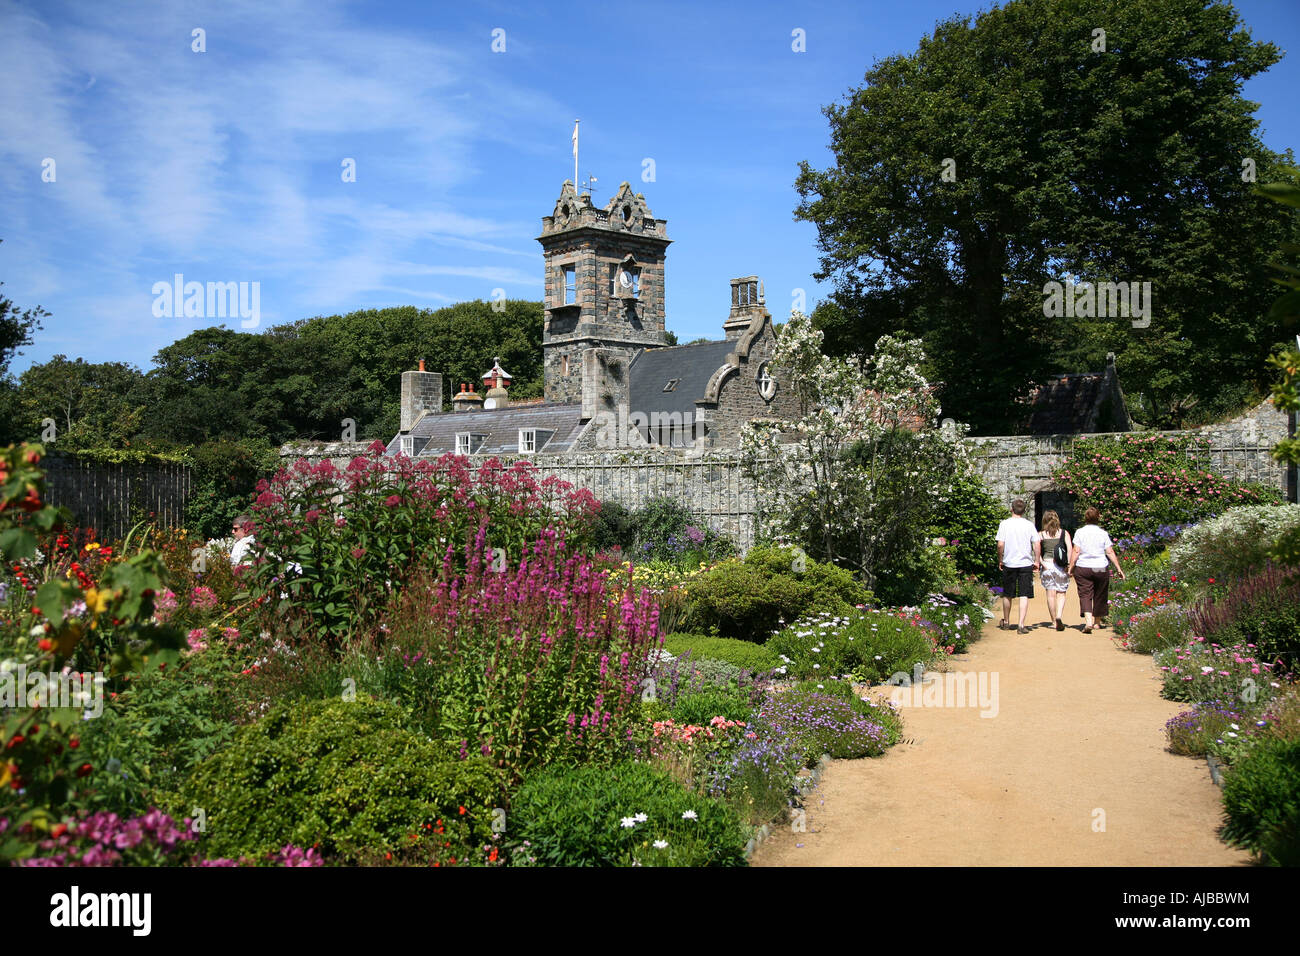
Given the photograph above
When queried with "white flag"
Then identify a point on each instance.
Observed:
(575, 139)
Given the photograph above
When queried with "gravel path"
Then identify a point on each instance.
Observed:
(1072, 770)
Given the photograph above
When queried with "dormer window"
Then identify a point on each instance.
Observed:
(672, 385)
(527, 441)
(408, 445)
(468, 443)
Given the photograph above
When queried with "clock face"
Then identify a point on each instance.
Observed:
(625, 279)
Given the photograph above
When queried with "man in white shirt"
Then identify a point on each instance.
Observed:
(1018, 558)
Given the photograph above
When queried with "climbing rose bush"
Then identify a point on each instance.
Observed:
(1142, 483)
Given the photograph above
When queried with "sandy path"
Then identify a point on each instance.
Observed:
(1079, 728)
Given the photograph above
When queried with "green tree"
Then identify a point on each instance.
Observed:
(16, 330)
(90, 404)
(1024, 147)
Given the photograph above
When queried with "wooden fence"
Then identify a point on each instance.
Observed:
(112, 497)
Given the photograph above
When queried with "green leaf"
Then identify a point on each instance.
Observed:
(17, 544)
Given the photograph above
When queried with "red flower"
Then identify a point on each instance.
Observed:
(462, 811)
(45, 644)
(58, 830)
(84, 769)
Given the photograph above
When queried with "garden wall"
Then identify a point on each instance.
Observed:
(112, 497)
(718, 491)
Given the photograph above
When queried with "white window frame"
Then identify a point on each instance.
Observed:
(527, 441)
(463, 442)
(566, 270)
(408, 446)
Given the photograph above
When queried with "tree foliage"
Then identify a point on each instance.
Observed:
(1023, 147)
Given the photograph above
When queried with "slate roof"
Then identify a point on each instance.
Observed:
(436, 434)
(692, 365)
(1066, 404)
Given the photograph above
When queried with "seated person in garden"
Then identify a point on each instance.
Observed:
(243, 532)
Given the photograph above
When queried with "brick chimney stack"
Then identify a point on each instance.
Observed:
(467, 400)
(747, 304)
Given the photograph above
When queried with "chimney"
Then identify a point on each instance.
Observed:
(746, 305)
(421, 395)
(467, 400)
(498, 380)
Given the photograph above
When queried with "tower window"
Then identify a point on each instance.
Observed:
(564, 365)
(570, 285)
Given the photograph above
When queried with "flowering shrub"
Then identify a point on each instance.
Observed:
(1234, 544)
(677, 680)
(859, 478)
(1262, 609)
(105, 839)
(333, 545)
(541, 660)
(1149, 631)
(866, 645)
(628, 814)
(685, 750)
(69, 617)
(1214, 727)
(667, 532)
(1141, 482)
(1261, 796)
(817, 723)
(958, 623)
(1200, 670)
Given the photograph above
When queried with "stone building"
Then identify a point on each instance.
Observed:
(612, 381)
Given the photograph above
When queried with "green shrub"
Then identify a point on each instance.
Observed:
(741, 653)
(969, 517)
(867, 645)
(222, 481)
(576, 816)
(1261, 794)
(163, 725)
(702, 706)
(614, 526)
(921, 571)
(663, 529)
(1233, 544)
(748, 599)
(346, 776)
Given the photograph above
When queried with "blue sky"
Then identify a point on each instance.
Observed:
(225, 165)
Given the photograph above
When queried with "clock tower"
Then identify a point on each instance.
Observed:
(604, 285)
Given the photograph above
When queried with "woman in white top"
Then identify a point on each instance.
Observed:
(1090, 561)
(1055, 581)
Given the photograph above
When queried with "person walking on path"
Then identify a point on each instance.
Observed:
(1090, 561)
(1056, 583)
(1018, 542)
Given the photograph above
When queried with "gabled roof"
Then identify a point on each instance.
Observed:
(691, 365)
(435, 435)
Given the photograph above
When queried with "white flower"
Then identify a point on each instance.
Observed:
(627, 823)
(640, 818)
(661, 844)
(1234, 727)
(690, 815)
(817, 667)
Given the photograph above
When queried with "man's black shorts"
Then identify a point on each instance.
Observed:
(1018, 582)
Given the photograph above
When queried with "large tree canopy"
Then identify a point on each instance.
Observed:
(1026, 147)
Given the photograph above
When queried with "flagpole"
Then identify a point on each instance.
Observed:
(575, 156)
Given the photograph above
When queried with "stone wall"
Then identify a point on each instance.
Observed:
(717, 489)
(1238, 449)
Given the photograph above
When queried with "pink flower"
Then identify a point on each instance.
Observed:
(392, 501)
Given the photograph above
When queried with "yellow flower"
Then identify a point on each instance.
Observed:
(97, 601)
